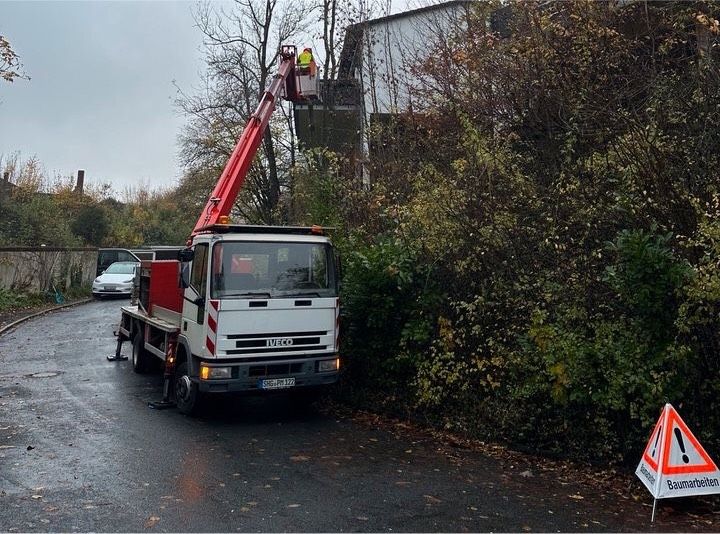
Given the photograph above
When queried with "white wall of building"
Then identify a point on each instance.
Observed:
(396, 46)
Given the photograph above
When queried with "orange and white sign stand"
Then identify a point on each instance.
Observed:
(674, 464)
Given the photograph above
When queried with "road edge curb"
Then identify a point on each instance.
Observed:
(12, 325)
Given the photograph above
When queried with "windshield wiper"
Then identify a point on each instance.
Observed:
(261, 294)
(304, 294)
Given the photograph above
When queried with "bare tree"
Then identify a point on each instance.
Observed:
(240, 45)
(330, 41)
(10, 66)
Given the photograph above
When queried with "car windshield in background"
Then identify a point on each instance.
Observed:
(267, 269)
(121, 268)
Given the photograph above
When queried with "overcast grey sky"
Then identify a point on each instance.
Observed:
(101, 92)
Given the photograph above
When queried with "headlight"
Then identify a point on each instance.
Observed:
(97, 280)
(128, 281)
(328, 365)
(208, 373)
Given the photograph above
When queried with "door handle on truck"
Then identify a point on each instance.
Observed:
(198, 301)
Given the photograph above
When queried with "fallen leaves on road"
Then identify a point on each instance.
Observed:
(152, 521)
(299, 458)
(431, 499)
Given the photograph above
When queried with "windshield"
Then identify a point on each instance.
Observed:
(267, 269)
(121, 268)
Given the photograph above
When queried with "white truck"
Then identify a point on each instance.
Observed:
(244, 308)
(259, 311)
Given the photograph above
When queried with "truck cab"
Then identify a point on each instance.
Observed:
(259, 312)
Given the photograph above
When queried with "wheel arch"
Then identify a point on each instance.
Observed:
(183, 354)
(136, 329)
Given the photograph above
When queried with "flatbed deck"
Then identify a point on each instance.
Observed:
(160, 324)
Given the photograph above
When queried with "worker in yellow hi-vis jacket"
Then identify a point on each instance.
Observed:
(306, 63)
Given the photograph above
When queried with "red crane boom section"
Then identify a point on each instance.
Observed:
(233, 176)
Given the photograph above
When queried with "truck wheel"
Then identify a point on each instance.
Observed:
(140, 357)
(187, 396)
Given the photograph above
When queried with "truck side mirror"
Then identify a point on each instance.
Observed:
(185, 255)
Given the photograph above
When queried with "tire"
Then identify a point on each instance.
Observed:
(187, 397)
(141, 359)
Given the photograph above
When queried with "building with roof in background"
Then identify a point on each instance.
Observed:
(377, 77)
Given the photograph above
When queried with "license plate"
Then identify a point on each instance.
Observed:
(276, 383)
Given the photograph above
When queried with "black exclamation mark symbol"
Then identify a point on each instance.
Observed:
(652, 455)
(678, 435)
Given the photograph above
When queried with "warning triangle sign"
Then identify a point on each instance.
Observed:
(674, 464)
(652, 450)
(682, 452)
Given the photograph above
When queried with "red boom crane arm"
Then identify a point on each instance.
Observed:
(233, 176)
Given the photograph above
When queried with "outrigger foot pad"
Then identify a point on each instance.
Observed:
(118, 357)
(161, 405)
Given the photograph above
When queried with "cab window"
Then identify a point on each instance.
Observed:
(248, 269)
(198, 276)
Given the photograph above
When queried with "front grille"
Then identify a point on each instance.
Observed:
(276, 342)
(275, 369)
(277, 334)
(279, 357)
(263, 342)
(276, 349)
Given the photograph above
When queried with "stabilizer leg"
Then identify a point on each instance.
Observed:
(118, 357)
(165, 402)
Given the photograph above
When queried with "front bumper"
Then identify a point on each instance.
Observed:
(247, 376)
(114, 289)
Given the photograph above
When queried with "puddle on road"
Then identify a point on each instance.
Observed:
(45, 374)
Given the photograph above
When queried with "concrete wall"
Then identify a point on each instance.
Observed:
(33, 269)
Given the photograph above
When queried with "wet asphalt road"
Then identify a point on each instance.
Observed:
(101, 460)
